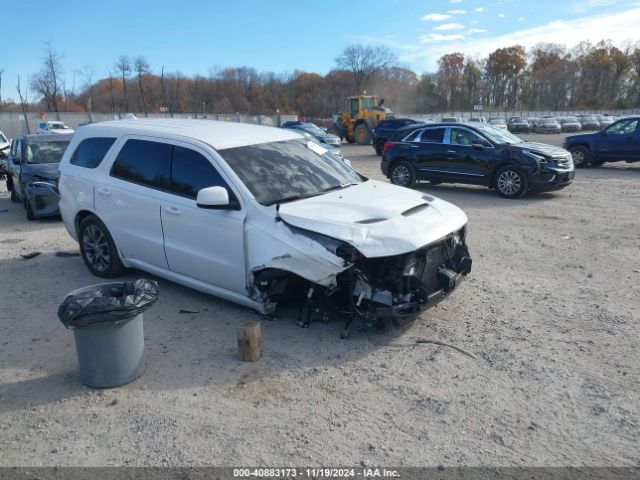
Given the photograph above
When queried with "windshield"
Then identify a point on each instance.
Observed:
(288, 170)
(45, 152)
(498, 135)
(367, 103)
(311, 128)
(496, 121)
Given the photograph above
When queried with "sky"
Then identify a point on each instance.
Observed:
(284, 35)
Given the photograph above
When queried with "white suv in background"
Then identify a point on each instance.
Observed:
(256, 215)
(53, 127)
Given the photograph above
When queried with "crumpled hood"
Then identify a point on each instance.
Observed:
(377, 218)
(329, 138)
(45, 170)
(542, 148)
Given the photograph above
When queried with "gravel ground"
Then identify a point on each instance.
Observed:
(550, 313)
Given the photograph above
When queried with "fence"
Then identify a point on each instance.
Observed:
(15, 123)
(466, 114)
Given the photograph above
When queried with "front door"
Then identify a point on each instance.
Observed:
(468, 156)
(620, 141)
(206, 245)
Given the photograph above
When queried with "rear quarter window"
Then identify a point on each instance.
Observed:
(91, 151)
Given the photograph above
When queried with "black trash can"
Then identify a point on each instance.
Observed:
(107, 324)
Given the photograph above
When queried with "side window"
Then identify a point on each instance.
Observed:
(143, 162)
(191, 172)
(462, 136)
(90, 152)
(413, 137)
(432, 135)
(623, 128)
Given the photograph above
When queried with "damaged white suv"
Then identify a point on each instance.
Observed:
(256, 215)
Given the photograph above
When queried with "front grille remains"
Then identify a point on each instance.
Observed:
(371, 220)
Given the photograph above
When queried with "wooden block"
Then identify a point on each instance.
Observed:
(250, 341)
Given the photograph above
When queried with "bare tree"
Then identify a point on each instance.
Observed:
(364, 62)
(142, 68)
(24, 103)
(47, 81)
(1, 72)
(111, 93)
(124, 67)
(87, 74)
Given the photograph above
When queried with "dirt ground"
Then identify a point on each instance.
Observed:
(550, 313)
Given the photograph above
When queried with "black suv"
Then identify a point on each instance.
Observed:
(386, 128)
(479, 155)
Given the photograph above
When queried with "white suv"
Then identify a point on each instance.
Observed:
(256, 215)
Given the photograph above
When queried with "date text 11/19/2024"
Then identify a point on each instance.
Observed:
(315, 473)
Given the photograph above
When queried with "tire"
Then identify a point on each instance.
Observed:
(510, 182)
(98, 249)
(351, 140)
(581, 156)
(402, 174)
(378, 151)
(29, 210)
(14, 196)
(362, 135)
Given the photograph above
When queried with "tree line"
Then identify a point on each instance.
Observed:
(547, 76)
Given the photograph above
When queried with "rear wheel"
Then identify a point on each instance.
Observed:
(98, 248)
(581, 156)
(511, 182)
(362, 135)
(402, 174)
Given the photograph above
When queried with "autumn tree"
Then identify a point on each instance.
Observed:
(503, 68)
(450, 68)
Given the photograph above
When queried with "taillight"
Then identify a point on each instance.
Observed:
(387, 145)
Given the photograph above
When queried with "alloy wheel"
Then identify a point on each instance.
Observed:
(401, 175)
(578, 157)
(96, 248)
(509, 182)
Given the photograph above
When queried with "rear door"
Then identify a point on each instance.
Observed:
(15, 164)
(203, 244)
(431, 152)
(619, 141)
(128, 198)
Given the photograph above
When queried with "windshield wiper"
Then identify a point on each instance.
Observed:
(338, 187)
(292, 198)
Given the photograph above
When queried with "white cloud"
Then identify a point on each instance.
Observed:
(477, 30)
(501, 15)
(437, 37)
(619, 27)
(457, 12)
(389, 36)
(521, 19)
(435, 17)
(455, 1)
(473, 22)
(479, 9)
(585, 5)
(449, 26)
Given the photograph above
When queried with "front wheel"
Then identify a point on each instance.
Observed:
(29, 210)
(581, 156)
(362, 135)
(403, 174)
(98, 249)
(510, 182)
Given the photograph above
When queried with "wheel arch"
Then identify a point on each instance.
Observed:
(501, 164)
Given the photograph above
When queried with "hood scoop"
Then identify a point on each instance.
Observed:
(370, 220)
(414, 210)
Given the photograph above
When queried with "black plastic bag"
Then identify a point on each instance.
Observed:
(107, 303)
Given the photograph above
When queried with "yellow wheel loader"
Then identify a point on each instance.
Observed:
(357, 123)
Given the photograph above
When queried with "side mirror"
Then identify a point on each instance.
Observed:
(215, 198)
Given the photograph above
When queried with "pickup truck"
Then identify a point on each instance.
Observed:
(620, 141)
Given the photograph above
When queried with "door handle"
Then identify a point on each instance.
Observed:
(104, 191)
(173, 210)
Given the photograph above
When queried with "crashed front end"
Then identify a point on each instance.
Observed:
(42, 195)
(353, 286)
